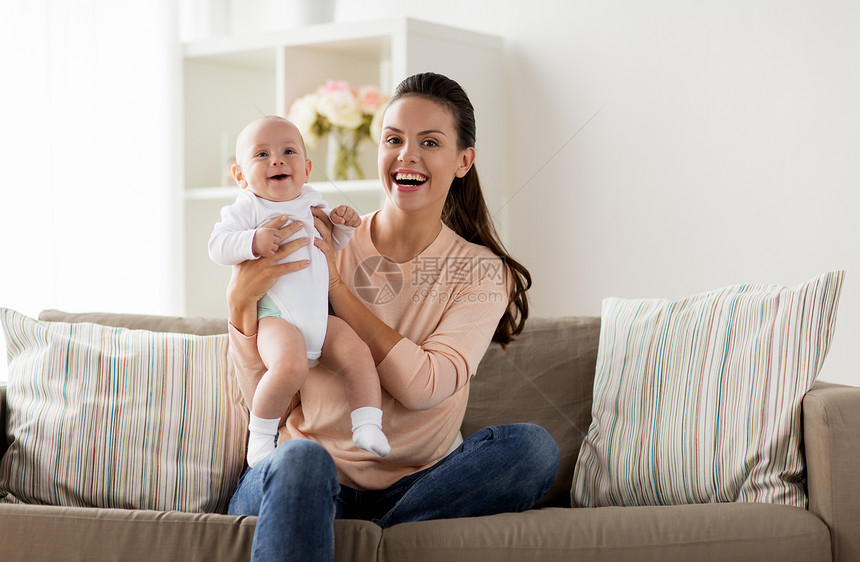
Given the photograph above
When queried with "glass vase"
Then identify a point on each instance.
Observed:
(343, 155)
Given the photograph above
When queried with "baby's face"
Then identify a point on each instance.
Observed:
(271, 160)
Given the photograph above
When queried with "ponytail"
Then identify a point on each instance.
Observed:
(466, 213)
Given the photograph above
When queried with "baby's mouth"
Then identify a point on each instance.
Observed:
(411, 179)
(279, 177)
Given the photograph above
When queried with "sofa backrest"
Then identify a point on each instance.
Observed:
(176, 324)
(544, 377)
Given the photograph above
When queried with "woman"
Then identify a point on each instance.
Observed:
(427, 285)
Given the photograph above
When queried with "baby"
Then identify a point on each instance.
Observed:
(295, 331)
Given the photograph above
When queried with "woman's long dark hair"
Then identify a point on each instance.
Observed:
(465, 211)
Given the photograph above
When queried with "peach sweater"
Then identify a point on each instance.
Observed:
(446, 303)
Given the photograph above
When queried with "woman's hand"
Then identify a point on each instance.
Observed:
(324, 225)
(251, 279)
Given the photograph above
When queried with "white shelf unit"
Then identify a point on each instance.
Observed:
(230, 80)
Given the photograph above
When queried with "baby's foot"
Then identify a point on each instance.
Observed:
(367, 431)
(259, 447)
(263, 434)
(370, 438)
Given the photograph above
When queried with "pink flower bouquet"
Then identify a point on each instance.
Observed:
(350, 115)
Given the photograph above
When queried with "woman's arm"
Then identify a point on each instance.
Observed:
(250, 281)
(253, 278)
(378, 336)
(423, 374)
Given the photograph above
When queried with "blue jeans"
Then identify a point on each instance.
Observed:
(296, 496)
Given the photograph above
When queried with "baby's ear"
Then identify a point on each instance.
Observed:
(236, 171)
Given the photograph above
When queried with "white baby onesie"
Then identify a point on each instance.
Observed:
(301, 296)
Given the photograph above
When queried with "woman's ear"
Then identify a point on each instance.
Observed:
(467, 158)
(236, 171)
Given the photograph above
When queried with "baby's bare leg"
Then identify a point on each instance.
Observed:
(345, 354)
(282, 350)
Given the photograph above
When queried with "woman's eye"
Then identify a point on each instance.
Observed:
(430, 142)
(392, 140)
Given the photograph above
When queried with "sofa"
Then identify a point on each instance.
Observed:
(544, 377)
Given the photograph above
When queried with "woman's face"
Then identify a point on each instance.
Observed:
(418, 154)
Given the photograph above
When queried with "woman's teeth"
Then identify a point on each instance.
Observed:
(409, 179)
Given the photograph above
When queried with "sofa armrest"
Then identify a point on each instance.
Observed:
(3, 444)
(831, 433)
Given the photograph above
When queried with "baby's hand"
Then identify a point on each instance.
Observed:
(265, 242)
(345, 215)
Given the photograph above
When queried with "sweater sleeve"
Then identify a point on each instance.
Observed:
(421, 375)
(232, 239)
(340, 236)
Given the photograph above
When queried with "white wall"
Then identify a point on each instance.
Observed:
(725, 150)
(89, 211)
(722, 148)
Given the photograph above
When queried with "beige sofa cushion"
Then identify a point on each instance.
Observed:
(698, 533)
(37, 533)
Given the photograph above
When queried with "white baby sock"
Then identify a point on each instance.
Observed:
(261, 441)
(367, 431)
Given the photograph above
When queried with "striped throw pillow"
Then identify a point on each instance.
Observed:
(698, 400)
(111, 417)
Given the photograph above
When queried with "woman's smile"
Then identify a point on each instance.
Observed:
(407, 181)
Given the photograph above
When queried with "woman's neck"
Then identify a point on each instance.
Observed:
(402, 236)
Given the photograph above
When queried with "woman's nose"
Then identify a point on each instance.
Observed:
(408, 152)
